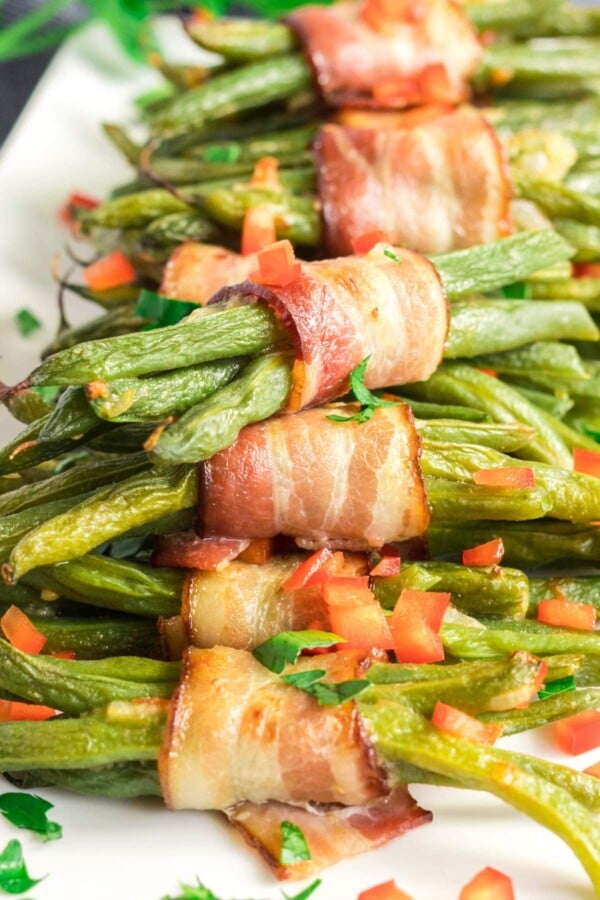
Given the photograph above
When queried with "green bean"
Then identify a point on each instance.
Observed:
(526, 544)
(511, 15)
(283, 142)
(71, 483)
(176, 228)
(552, 62)
(153, 399)
(122, 781)
(549, 359)
(490, 326)
(557, 407)
(248, 87)
(493, 686)
(560, 201)
(495, 590)
(96, 638)
(584, 238)
(210, 334)
(243, 40)
(585, 290)
(506, 438)
(454, 383)
(186, 170)
(260, 391)
(118, 320)
(121, 140)
(107, 513)
(424, 410)
(297, 218)
(583, 589)
(14, 527)
(128, 438)
(27, 406)
(490, 266)
(399, 733)
(465, 642)
(574, 496)
(543, 712)
(116, 584)
(460, 501)
(93, 740)
(76, 687)
(72, 417)
(416, 673)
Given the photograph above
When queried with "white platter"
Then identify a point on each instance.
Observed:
(137, 850)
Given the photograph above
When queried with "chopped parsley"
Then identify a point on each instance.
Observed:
(161, 311)
(369, 401)
(294, 848)
(560, 686)
(27, 323)
(287, 646)
(29, 811)
(225, 153)
(327, 693)
(14, 878)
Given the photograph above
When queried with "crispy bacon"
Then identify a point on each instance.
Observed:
(245, 604)
(353, 60)
(237, 732)
(324, 483)
(195, 272)
(341, 310)
(441, 184)
(332, 832)
(185, 550)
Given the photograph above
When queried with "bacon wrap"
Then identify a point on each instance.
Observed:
(237, 732)
(332, 833)
(437, 186)
(350, 58)
(346, 485)
(245, 604)
(341, 310)
(195, 272)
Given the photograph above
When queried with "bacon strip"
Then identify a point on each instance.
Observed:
(237, 732)
(341, 310)
(245, 604)
(195, 272)
(440, 185)
(351, 59)
(332, 833)
(323, 483)
(185, 550)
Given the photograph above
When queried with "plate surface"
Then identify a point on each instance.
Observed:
(138, 850)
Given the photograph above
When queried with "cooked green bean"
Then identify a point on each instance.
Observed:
(80, 686)
(122, 781)
(542, 712)
(14, 527)
(582, 589)
(297, 218)
(176, 228)
(153, 399)
(243, 40)
(258, 392)
(424, 410)
(27, 406)
(107, 513)
(96, 638)
(118, 320)
(490, 326)
(506, 438)
(210, 334)
(461, 501)
(465, 642)
(560, 201)
(248, 87)
(549, 359)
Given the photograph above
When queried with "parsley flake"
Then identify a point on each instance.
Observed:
(369, 401)
(306, 893)
(559, 686)
(14, 878)
(287, 646)
(327, 693)
(225, 153)
(29, 811)
(161, 311)
(27, 323)
(391, 255)
(294, 848)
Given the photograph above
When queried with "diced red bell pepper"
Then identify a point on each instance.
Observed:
(460, 724)
(579, 733)
(307, 569)
(109, 272)
(365, 242)
(355, 614)
(21, 632)
(380, 14)
(415, 624)
(586, 270)
(258, 229)
(488, 554)
(265, 173)
(567, 614)
(586, 461)
(277, 265)
(66, 214)
(594, 770)
(387, 890)
(508, 477)
(387, 566)
(491, 372)
(64, 654)
(489, 884)
(434, 84)
(15, 711)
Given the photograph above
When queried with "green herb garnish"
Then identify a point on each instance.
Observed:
(391, 255)
(47, 392)
(369, 401)
(14, 878)
(189, 892)
(560, 686)
(306, 893)
(294, 848)
(327, 693)
(520, 290)
(27, 323)
(162, 311)
(29, 811)
(287, 646)
(225, 153)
